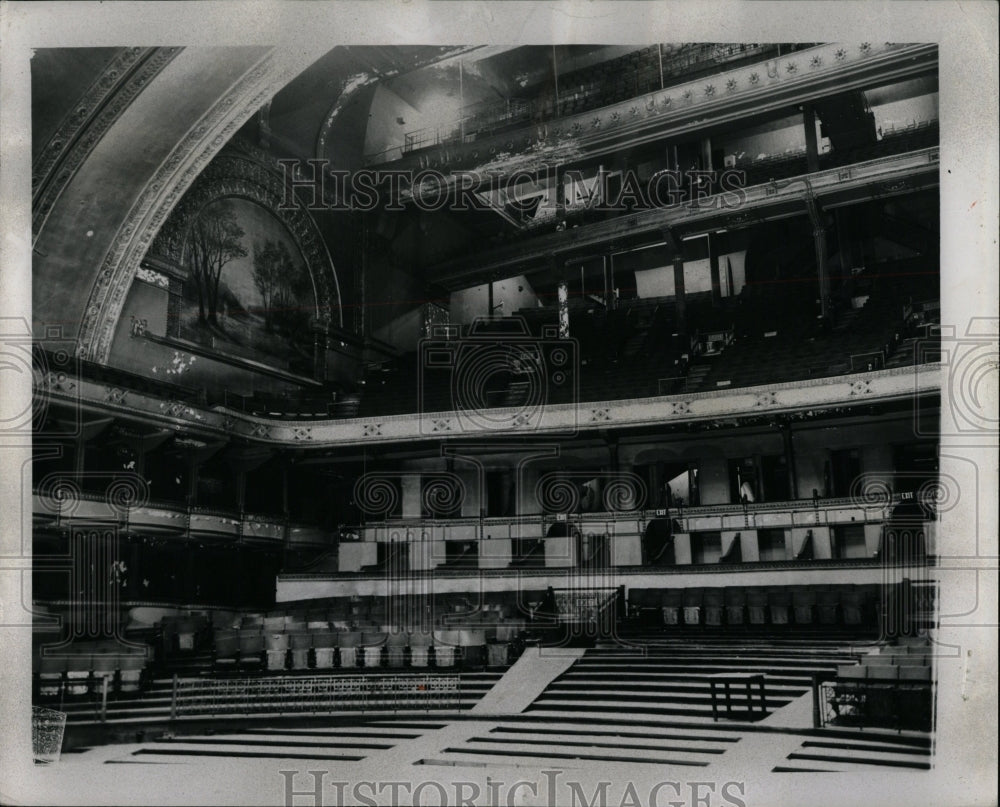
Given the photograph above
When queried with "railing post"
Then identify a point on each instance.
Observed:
(817, 711)
(715, 704)
(173, 698)
(104, 698)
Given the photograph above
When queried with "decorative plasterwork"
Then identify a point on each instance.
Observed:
(168, 185)
(245, 175)
(901, 383)
(124, 77)
(348, 90)
(699, 96)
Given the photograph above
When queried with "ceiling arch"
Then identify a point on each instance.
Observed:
(242, 172)
(87, 118)
(136, 171)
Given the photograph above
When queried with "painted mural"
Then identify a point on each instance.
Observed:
(248, 292)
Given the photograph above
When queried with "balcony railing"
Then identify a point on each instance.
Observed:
(624, 104)
(760, 515)
(166, 518)
(608, 83)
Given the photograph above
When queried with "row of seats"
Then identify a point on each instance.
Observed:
(81, 668)
(892, 688)
(325, 649)
(862, 340)
(345, 612)
(916, 673)
(848, 605)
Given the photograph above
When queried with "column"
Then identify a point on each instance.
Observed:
(560, 193)
(819, 239)
(508, 505)
(812, 148)
(284, 490)
(192, 492)
(793, 481)
(845, 243)
(679, 292)
(706, 154)
(241, 490)
(675, 251)
(657, 497)
(612, 442)
(713, 257)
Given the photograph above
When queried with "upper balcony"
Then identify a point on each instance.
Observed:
(899, 166)
(593, 86)
(620, 107)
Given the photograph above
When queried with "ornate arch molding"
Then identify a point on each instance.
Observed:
(351, 87)
(167, 186)
(122, 79)
(241, 175)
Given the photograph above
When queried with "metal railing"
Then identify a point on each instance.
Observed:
(410, 527)
(314, 693)
(894, 705)
(745, 683)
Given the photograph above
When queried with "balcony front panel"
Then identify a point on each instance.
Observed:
(558, 420)
(770, 84)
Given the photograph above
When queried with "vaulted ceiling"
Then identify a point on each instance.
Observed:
(120, 133)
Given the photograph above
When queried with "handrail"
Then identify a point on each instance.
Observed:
(619, 571)
(315, 693)
(762, 194)
(794, 505)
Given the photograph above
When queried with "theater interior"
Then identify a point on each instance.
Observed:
(471, 411)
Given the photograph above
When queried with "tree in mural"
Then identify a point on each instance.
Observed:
(216, 239)
(273, 268)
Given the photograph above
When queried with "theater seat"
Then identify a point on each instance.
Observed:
(827, 600)
(348, 642)
(276, 645)
(78, 666)
(420, 644)
(713, 606)
(396, 649)
(671, 607)
(274, 624)
(226, 648)
(186, 631)
(850, 606)
(757, 606)
(251, 648)
(105, 665)
(915, 674)
(131, 673)
(445, 645)
(301, 643)
(473, 644)
(497, 654)
(803, 602)
(735, 599)
(51, 675)
(779, 602)
(324, 646)
(852, 672)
